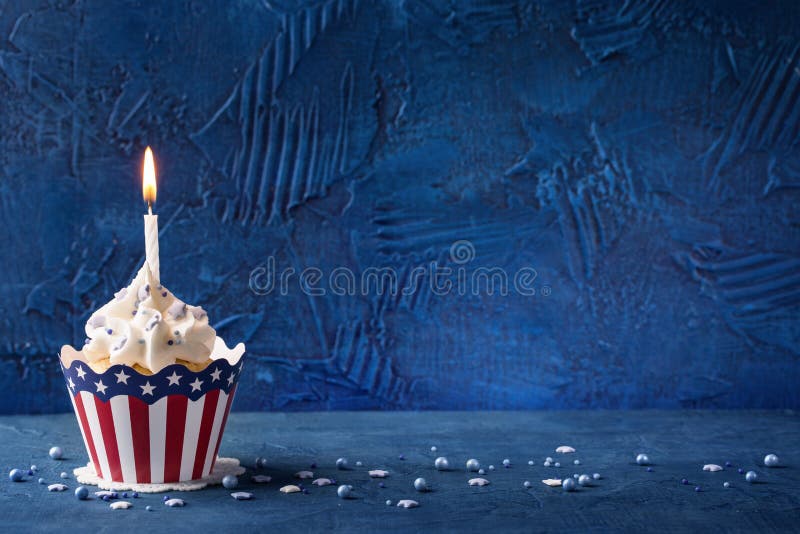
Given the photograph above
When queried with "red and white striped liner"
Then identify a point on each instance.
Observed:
(174, 439)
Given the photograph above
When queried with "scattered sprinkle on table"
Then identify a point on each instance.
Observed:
(56, 453)
(421, 484)
(56, 487)
(530, 462)
(527, 484)
(359, 464)
(751, 476)
(726, 485)
(596, 476)
(388, 502)
(261, 479)
(407, 503)
(341, 463)
(477, 482)
(120, 505)
(552, 482)
(290, 488)
(64, 474)
(584, 480)
(304, 474)
(434, 449)
(172, 503)
(378, 473)
(322, 482)
(242, 495)
(81, 493)
(642, 459)
(441, 463)
(712, 467)
(41, 481)
(771, 460)
(564, 449)
(230, 481)
(473, 464)
(344, 491)
(568, 484)
(148, 508)
(16, 475)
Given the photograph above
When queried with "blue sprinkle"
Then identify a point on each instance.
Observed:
(42, 481)
(106, 498)
(728, 464)
(741, 471)
(305, 492)
(381, 485)
(87, 341)
(16, 475)
(148, 508)
(135, 495)
(124, 494)
(697, 489)
(170, 342)
(401, 457)
(164, 294)
(165, 498)
(30, 472)
(109, 331)
(81, 493)
(313, 465)
(684, 482)
(133, 312)
(649, 469)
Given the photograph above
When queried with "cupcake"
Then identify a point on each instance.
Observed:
(151, 387)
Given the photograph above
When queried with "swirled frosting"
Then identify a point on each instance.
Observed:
(146, 324)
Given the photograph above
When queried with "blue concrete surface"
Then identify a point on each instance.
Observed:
(627, 498)
(641, 158)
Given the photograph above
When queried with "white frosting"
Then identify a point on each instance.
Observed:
(146, 324)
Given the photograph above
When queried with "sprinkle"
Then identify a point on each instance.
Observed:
(81, 493)
(263, 463)
(401, 457)
(557, 464)
(64, 474)
(577, 462)
(165, 498)
(596, 476)
(164, 294)
(685, 482)
(407, 503)
(584, 480)
(741, 471)
(548, 459)
(378, 473)
(230, 481)
(751, 476)
(172, 503)
(261, 479)
(491, 468)
(322, 482)
(506, 462)
(642, 459)
(726, 485)
(304, 474)
(170, 342)
(135, 495)
(421, 484)
(473, 464)
(381, 485)
(649, 469)
(698, 489)
(41, 481)
(527, 484)
(552, 482)
(530, 462)
(568, 484)
(477, 482)
(148, 508)
(481, 471)
(388, 502)
(359, 464)
(109, 331)
(728, 464)
(771, 460)
(341, 463)
(344, 490)
(120, 505)
(291, 488)
(441, 463)
(547, 464)
(55, 453)
(434, 449)
(712, 467)
(56, 487)
(242, 495)
(106, 493)
(564, 449)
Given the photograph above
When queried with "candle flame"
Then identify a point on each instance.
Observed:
(149, 178)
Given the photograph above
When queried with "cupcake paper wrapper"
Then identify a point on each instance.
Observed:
(148, 429)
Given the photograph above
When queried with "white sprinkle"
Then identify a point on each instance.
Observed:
(322, 482)
(304, 474)
(407, 503)
(434, 449)
(56, 487)
(291, 488)
(261, 479)
(359, 464)
(388, 502)
(378, 473)
(712, 467)
(577, 462)
(120, 505)
(564, 449)
(104, 493)
(552, 482)
(478, 482)
(530, 462)
(172, 503)
(549, 459)
(242, 495)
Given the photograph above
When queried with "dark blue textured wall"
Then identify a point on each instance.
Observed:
(642, 157)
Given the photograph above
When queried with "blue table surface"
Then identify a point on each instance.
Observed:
(628, 497)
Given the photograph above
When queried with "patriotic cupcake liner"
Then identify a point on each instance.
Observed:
(152, 429)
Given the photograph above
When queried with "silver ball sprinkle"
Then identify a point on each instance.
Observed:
(751, 476)
(642, 459)
(558, 464)
(506, 462)
(596, 476)
(473, 464)
(527, 484)
(421, 484)
(547, 464)
(481, 471)
(771, 460)
(344, 491)
(441, 463)
(388, 502)
(726, 485)
(434, 449)
(584, 480)
(549, 459)
(530, 462)
(491, 468)
(230, 481)
(56, 453)
(64, 474)
(568, 484)
(341, 463)
(577, 462)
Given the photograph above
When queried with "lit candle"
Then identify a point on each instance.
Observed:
(150, 220)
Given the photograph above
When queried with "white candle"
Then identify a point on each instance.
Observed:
(150, 220)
